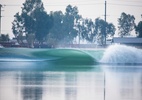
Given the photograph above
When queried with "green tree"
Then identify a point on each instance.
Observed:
(44, 23)
(86, 29)
(33, 20)
(63, 30)
(36, 20)
(110, 30)
(56, 31)
(93, 31)
(69, 20)
(100, 28)
(17, 28)
(138, 29)
(126, 24)
(80, 26)
(97, 31)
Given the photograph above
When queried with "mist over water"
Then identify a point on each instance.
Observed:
(121, 54)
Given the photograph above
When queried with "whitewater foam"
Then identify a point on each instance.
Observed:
(122, 54)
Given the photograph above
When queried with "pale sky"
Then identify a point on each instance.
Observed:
(87, 8)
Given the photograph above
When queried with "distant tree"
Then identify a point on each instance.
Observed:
(56, 31)
(138, 29)
(86, 29)
(82, 29)
(126, 24)
(4, 37)
(36, 20)
(110, 30)
(69, 20)
(94, 31)
(17, 28)
(44, 23)
(63, 30)
(102, 30)
(33, 20)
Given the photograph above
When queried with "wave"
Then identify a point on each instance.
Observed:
(122, 54)
(114, 54)
(54, 56)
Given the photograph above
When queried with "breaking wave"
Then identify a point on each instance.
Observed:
(121, 54)
(54, 56)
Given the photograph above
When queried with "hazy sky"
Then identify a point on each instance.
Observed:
(87, 8)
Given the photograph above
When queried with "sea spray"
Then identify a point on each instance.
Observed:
(122, 54)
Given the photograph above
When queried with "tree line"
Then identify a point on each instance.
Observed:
(57, 27)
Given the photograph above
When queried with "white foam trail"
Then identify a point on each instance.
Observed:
(26, 60)
(121, 54)
(19, 60)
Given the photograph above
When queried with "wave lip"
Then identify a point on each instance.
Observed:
(121, 54)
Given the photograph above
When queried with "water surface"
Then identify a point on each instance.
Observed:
(30, 77)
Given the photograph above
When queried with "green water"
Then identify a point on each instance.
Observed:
(56, 56)
(65, 74)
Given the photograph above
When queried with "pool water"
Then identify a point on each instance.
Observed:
(43, 75)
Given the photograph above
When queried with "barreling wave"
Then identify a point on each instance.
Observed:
(54, 56)
(121, 54)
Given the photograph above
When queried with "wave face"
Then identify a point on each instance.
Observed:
(121, 54)
(54, 56)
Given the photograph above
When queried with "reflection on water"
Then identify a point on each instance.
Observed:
(71, 85)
